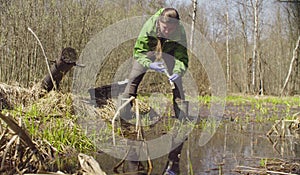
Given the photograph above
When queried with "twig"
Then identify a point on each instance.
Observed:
(121, 162)
(12, 140)
(259, 170)
(274, 144)
(48, 67)
(274, 128)
(139, 129)
(149, 162)
(140, 135)
(18, 142)
(116, 115)
(22, 133)
(3, 139)
(138, 120)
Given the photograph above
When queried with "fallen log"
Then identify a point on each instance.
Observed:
(89, 165)
(252, 170)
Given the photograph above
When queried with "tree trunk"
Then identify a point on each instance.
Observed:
(295, 54)
(255, 38)
(242, 13)
(193, 23)
(227, 49)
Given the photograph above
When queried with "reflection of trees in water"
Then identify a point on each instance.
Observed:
(236, 145)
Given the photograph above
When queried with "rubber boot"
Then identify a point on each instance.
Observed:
(181, 109)
(172, 167)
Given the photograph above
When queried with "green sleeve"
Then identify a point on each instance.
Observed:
(147, 33)
(140, 51)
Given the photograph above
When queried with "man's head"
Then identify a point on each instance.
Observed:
(168, 21)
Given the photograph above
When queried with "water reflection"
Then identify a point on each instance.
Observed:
(232, 145)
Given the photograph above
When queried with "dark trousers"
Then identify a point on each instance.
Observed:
(138, 72)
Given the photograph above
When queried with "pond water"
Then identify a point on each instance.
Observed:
(233, 145)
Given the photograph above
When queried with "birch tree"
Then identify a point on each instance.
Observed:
(193, 22)
(293, 60)
(292, 81)
(257, 76)
(228, 74)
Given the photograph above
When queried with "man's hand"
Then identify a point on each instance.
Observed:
(157, 66)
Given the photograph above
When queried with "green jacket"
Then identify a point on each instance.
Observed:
(175, 46)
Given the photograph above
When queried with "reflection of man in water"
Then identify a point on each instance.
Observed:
(162, 37)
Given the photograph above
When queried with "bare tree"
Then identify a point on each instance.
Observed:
(193, 22)
(293, 60)
(228, 74)
(257, 80)
(242, 19)
(255, 39)
(68, 23)
(292, 81)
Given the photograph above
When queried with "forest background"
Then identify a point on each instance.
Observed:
(255, 40)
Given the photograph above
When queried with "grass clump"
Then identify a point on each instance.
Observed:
(52, 119)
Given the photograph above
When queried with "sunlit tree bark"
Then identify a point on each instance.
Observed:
(242, 16)
(193, 22)
(228, 74)
(293, 61)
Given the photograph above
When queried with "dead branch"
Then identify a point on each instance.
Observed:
(90, 165)
(8, 145)
(47, 64)
(21, 133)
(295, 54)
(260, 170)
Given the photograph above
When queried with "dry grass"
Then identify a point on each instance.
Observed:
(53, 104)
(23, 152)
(14, 95)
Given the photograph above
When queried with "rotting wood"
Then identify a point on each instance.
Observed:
(61, 66)
(246, 169)
(89, 165)
(274, 128)
(280, 126)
